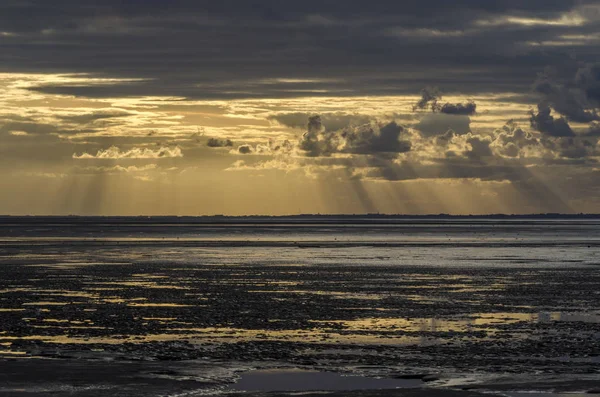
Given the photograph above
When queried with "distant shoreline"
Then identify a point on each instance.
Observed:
(301, 219)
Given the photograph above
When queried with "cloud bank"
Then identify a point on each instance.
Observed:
(114, 153)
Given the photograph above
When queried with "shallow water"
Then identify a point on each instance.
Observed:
(542, 394)
(302, 380)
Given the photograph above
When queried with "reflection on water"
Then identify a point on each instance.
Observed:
(376, 331)
(542, 394)
(481, 321)
(299, 380)
(12, 353)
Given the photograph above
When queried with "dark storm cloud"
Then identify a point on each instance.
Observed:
(576, 100)
(268, 48)
(547, 124)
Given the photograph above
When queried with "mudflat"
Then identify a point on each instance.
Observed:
(436, 307)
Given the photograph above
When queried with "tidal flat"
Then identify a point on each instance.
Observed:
(384, 307)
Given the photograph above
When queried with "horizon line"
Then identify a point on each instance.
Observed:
(339, 215)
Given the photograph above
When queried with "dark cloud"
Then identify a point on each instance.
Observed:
(317, 141)
(195, 49)
(480, 147)
(431, 97)
(468, 108)
(544, 122)
(588, 79)
(570, 100)
(245, 149)
(369, 138)
(594, 130)
(571, 147)
(214, 142)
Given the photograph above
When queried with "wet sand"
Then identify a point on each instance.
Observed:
(122, 310)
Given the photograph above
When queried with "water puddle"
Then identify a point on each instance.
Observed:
(542, 394)
(301, 380)
(478, 321)
(160, 305)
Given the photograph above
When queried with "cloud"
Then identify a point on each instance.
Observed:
(86, 118)
(317, 141)
(271, 147)
(369, 138)
(329, 121)
(578, 100)
(571, 147)
(594, 130)
(511, 140)
(310, 170)
(480, 147)
(114, 152)
(19, 133)
(431, 97)
(545, 123)
(115, 169)
(448, 46)
(50, 175)
(459, 168)
(245, 149)
(432, 124)
(468, 108)
(275, 164)
(588, 79)
(28, 127)
(214, 142)
(445, 138)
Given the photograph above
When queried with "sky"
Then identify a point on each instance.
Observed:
(239, 107)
